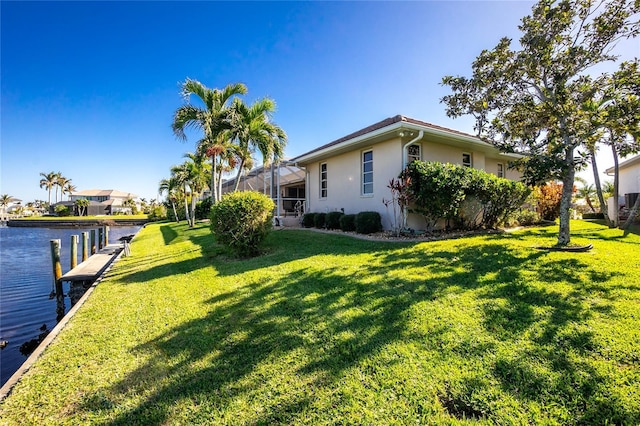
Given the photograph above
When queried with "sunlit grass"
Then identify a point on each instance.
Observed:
(326, 329)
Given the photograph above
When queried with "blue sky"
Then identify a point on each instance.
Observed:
(89, 88)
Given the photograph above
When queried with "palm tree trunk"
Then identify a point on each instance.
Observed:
(214, 186)
(596, 178)
(175, 213)
(193, 210)
(615, 220)
(235, 186)
(186, 205)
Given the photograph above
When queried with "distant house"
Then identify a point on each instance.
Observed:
(101, 202)
(351, 174)
(629, 180)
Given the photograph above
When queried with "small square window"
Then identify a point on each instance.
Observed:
(413, 153)
(466, 160)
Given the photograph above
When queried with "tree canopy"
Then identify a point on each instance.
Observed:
(535, 100)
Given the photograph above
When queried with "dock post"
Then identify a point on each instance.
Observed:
(93, 241)
(100, 238)
(57, 274)
(74, 251)
(106, 236)
(85, 246)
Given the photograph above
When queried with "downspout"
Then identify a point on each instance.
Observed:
(404, 166)
(404, 148)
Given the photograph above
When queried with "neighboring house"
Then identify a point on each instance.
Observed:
(351, 174)
(629, 181)
(101, 202)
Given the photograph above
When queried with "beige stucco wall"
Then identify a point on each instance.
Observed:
(629, 180)
(344, 177)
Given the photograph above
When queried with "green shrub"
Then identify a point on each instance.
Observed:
(526, 217)
(348, 222)
(62, 210)
(157, 213)
(319, 220)
(308, 220)
(241, 221)
(368, 222)
(332, 220)
(203, 209)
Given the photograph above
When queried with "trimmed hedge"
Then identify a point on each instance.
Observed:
(319, 220)
(332, 220)
(593, 216)
(308, 220)
(368, 222)
(348, 222)
(242, 220)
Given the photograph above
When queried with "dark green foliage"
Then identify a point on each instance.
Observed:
(319, 220)
(203, 209)
(348, 222)
(241, 221)
(469, 197)
(593, 216)
(157, 213)
(333, 220)
(368, 222)
(308, 220)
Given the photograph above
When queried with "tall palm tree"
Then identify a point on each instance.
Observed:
(61, 181)
(69, 188)
(212, 120)
(48, 181)
(170, 187)
(197, 177)
(252, 130)
(586, 192)
(181, 175)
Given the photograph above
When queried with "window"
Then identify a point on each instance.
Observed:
(466, 160)
(323, 180)
(413, 153)
(500, 170)
(367, 172)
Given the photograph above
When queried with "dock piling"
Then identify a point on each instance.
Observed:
(106, 236)
(93, 242)
(100, 238)
(85, 246)
(74, 251)
(57, 274)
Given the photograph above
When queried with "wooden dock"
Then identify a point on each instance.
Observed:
(96, 264)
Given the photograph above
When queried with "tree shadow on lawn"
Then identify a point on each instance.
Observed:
(323, 322)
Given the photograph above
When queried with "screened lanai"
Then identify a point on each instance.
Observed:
(284, 183)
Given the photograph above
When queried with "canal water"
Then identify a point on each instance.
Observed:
(27, 312)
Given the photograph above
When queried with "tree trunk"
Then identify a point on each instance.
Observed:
(632, 216)
(564, 232)
(193, 210)
(596, 179)
(175, 213)
(235, 187)
(615, 221)
(186, 205)
(214, 184)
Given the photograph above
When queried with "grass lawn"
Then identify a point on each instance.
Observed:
(327, 329)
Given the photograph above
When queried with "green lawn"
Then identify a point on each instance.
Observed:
(327, 329)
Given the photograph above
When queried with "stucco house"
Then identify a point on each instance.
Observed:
(629, 181)
(351, 174)
(101, 201)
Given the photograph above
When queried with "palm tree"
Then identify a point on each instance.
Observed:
(252, 130)
(5, 200)
(586, 192)
(81, 205)
(61, 181)
(69, 188)
(213, 120)
(170, 187)
(181, 175)
(48, 181)
(197, 177)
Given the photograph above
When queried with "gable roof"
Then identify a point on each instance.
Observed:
(103, 193)
(627, 163)
(386, 128)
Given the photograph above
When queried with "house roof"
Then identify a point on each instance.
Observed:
(627, 163)
(387, 127)
(104, 193)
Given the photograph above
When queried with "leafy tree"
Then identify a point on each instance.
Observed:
(533, 100)
(5, 200)
(197, 175)
(212, 120)
(548, 200)
(252, 130)
(48, 181)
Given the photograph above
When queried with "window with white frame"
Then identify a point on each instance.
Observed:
(367, 173)
(500, 170)
(413, 153)
(323, 180)
(467, 160)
